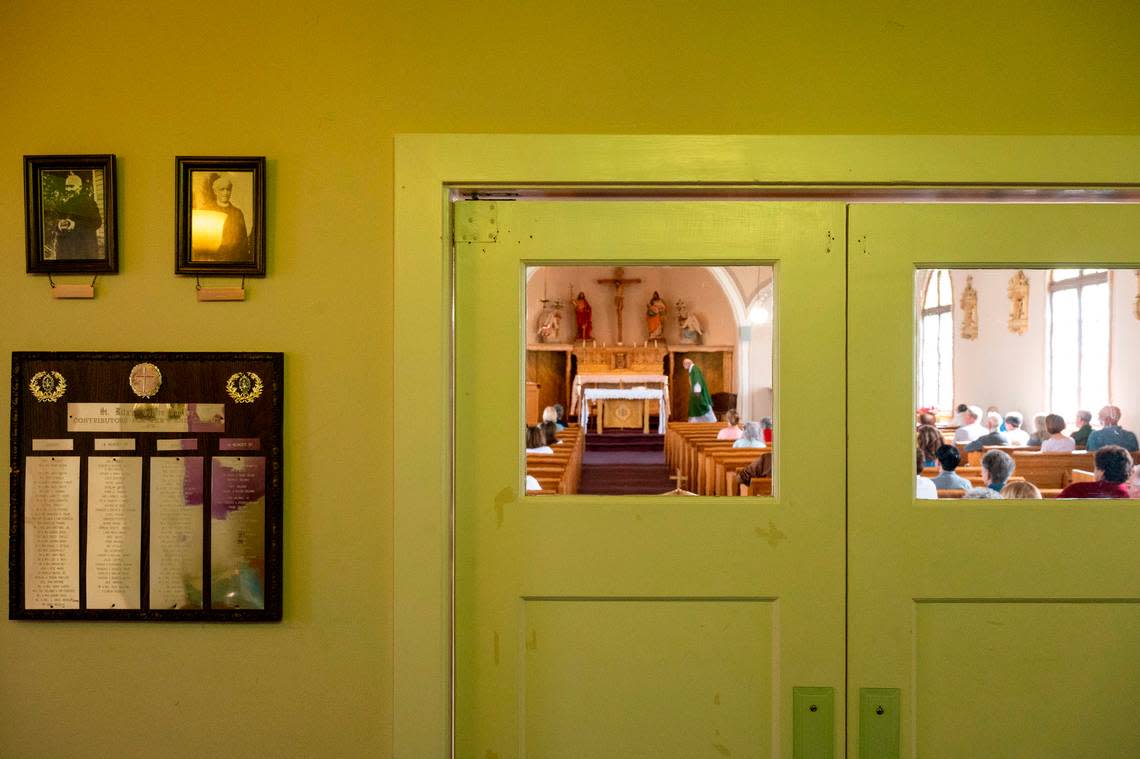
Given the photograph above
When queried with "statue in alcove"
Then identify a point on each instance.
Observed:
(584, 316)
(691, 331)
(550, 321)
(1018, 303)
(969, 305)
(655, 317)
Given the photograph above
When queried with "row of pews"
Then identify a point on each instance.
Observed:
(559, 472)
(1050, 472)
(709, 465)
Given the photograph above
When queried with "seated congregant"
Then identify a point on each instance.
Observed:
(971, 430)
(1020, 489)
(929, 439)
(1058, 441)
(1040, 432)
(550, 432)
(550, 414)
(752, 437)
(1111, 433)
(732, 429)
(1084, 428)
(1113, 471)
(925, 417)
(766, 426)
(949, 458)
(536, 440)
(924, 487)
(983, 493)
(760, 467)
(997, 466)
(1013, 431)
(993, 436)
(959, 418)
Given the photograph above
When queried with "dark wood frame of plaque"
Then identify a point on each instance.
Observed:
(248, 391)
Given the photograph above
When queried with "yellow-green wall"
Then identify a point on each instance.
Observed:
(320, 89)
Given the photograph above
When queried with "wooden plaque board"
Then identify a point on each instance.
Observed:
(146, 486)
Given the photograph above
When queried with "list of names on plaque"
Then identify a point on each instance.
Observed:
(176, 532)
(51, 532)
(237, 532)
(114, 530)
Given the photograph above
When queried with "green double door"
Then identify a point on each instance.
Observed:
(640, 626)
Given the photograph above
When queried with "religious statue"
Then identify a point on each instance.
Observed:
(550, 321)
(691, 331)
(583, 314)
(969, 304)
(1137, 294)
(1018, 303)
(655, 317)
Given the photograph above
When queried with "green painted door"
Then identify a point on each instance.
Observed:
(1010, 628)
(648, 626)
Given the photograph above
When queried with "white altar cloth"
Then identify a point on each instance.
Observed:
(583, 381)
(626, 393)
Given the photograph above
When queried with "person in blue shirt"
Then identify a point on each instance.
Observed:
(1111, 432)
(949, 457)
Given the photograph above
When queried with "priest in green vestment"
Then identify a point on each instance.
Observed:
(700, 401)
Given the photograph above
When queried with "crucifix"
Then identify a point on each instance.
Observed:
(619, 282)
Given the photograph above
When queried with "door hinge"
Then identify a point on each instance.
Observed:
(475, 221)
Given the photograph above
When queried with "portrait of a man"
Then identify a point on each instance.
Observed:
(220, 229)
(72, 219)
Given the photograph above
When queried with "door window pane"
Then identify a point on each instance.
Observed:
(619, 358)
(1039, 356)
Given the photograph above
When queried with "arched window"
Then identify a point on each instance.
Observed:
(1078, 340)
(936, 343)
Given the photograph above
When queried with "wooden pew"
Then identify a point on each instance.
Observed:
(758, 486)
(1050, 470)
(974, 458)
(722, 467)
(561, 470)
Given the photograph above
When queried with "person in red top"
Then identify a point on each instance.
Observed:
(1113, 470)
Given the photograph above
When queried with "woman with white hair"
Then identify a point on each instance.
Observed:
(753, 437)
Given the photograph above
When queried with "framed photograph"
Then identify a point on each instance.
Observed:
(220, 218)
(69, 203)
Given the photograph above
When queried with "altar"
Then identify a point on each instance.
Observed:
(623, 407)
(619, 380)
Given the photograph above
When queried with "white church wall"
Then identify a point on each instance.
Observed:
(1009, 371)
(1001, 368)
(1124, 378)
(760, 369)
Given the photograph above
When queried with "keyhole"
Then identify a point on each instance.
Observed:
(813, 708)
(879, 710)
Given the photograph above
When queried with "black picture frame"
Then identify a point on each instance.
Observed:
(69, 212)
(220, 216)
(51, 389)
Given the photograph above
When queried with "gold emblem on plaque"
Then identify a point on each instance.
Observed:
(145, 380)
(244, 387)
(48, 386)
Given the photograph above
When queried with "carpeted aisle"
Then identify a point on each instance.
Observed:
(624, 463)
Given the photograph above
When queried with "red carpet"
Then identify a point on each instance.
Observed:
(624, 463)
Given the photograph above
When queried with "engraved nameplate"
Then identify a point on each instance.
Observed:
(146, 417)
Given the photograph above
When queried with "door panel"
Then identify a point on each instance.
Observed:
(646, 625)
(1007, 625)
